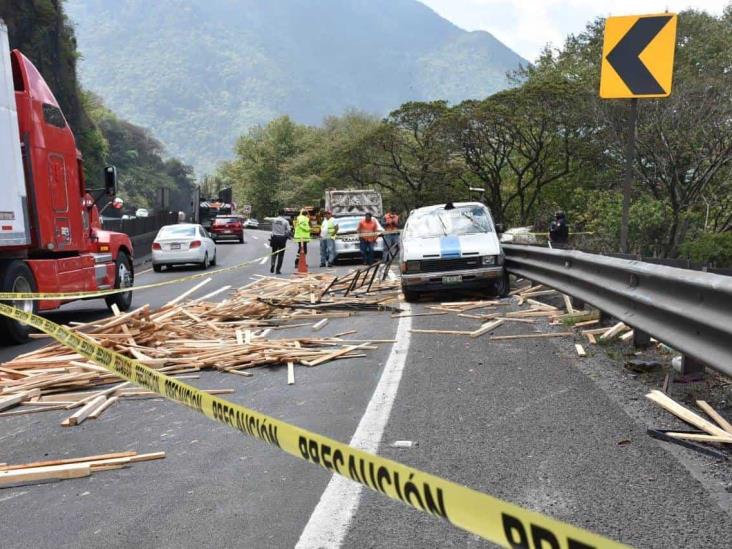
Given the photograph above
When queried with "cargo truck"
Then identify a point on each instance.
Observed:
(51, 238)
(350, 202)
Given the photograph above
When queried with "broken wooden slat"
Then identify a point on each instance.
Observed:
(716, 416)
(290, 373)
(487, 327)
(580, 349)
(687, 415)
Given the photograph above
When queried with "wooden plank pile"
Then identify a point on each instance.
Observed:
(185, 336)
(58, 469)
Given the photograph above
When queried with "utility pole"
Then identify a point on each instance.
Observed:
(628, 179)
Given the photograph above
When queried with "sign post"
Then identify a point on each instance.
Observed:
(637, 62)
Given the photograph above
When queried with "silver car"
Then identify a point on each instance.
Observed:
(182, 244)
(347, 242)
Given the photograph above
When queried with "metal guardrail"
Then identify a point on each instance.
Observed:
(690, 311)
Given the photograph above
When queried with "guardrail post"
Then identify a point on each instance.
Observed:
(641, 339)
(688, 366)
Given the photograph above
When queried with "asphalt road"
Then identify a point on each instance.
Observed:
(522, 421)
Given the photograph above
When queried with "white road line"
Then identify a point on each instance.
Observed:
(328, 525)
(264, 260)
(145, 271)
(266, 245)
(255, 237)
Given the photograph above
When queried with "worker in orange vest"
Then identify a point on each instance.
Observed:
(367, 234)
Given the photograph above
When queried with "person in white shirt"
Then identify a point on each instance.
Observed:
(328, 230)
(281, 231)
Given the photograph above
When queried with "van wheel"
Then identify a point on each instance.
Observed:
(410, 296)
(502, 286)
(17, 277)
(124, 278)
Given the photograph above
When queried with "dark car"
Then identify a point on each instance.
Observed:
(227, 227)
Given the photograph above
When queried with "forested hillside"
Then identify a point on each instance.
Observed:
(201, 72)
(40, 29)
(545, 145)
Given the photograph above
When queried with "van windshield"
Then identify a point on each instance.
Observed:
(458, 221)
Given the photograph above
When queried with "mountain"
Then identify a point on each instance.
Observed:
(199, 73)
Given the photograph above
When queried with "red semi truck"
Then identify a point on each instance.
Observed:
(51, 238)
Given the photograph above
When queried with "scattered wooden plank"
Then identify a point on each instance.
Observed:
(542, 306)
(50, 462)
(290, 373)
(54, 472)
(445, 332)
(487, 327)
(687, 415)
(318, 325)
(627, 335)
(12, 400)
(591, 338)
(587, 323)
(103, 406)
(580, 350)
(84, 412)
(613, 332)
(568, 304)
(716, 416)
(531, 336)
(701, 437)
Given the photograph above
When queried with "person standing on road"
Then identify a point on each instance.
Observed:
(367, 234)
(302, 234)
(278, 241)
(328, 231)
(391, 238)
(559, 231)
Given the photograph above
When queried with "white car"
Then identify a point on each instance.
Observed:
(182, 244)
(253, 223)
(142, 212)
(451, 246)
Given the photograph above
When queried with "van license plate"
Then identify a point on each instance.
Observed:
(455, 279)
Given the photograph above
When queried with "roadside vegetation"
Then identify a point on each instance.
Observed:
(546, 144)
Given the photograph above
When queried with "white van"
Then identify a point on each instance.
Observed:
(451, 246)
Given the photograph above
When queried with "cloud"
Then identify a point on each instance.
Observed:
(526, 26)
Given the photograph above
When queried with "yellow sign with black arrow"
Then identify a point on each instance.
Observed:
(638, 56)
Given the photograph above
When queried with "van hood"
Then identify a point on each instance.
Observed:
(451, 246)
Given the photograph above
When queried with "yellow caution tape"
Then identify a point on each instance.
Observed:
(491, 518)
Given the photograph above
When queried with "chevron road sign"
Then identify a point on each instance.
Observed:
(638, 56)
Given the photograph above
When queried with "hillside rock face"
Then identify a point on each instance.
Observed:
(201, 72)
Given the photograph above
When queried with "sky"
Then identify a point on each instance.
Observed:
(526, 26)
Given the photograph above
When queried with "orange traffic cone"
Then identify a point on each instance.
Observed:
(302, 262)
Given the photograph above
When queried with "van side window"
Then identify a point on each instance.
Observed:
(52, 115)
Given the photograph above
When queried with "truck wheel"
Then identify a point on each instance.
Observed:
(124, 278)
(17, 277)
(502, 286)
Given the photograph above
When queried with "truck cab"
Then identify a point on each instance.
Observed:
(51, 240)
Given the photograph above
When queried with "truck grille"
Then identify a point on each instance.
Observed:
(439, 265)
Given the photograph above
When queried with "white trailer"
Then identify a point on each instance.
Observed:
(14, 229)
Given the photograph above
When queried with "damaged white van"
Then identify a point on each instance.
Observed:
(451, 246)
